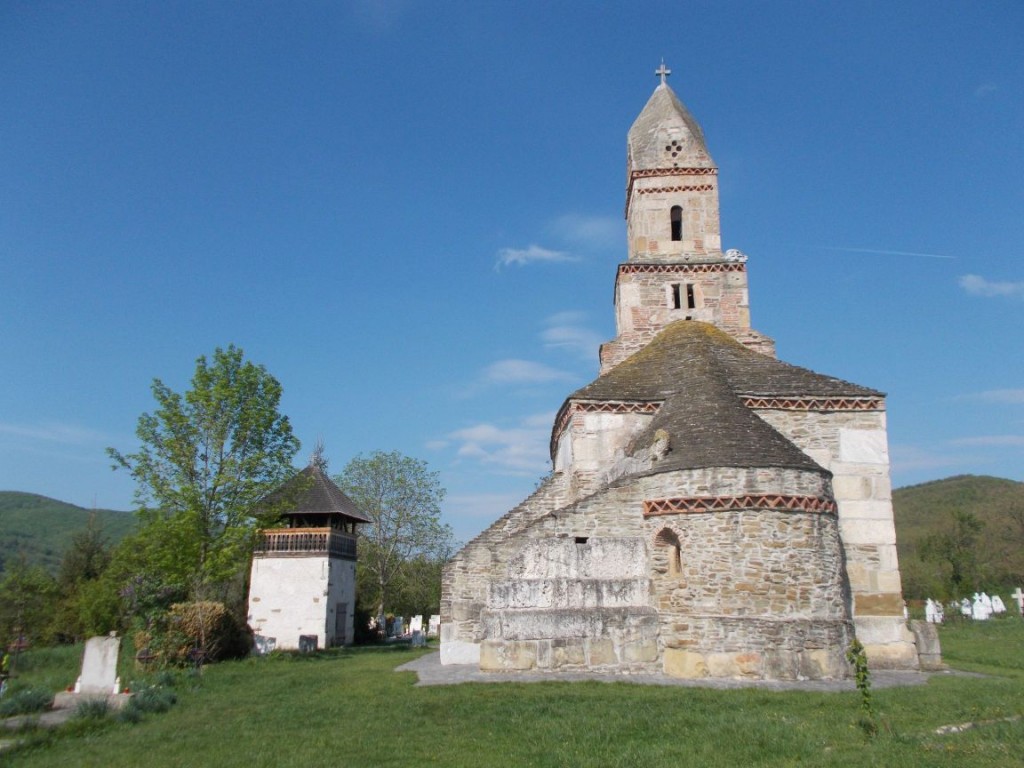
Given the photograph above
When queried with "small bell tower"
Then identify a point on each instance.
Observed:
(675, 268)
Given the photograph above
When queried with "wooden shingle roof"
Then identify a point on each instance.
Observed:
(312, 492)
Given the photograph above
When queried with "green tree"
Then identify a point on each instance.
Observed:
(955, 551)
(28, 595)
(402, 498)
(83, 564)
(206, 459)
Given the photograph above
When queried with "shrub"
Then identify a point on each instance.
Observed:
(25, 702)
(188, 628)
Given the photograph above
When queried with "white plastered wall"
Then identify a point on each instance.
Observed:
(293, 596)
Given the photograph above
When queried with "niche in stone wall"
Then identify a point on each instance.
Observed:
(668, 544)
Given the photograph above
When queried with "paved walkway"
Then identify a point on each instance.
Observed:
(431, 672)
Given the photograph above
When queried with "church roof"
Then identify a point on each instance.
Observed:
(699, 373)
(665, 119)
(312, 492)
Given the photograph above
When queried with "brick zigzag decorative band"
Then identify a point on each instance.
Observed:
(610, 406)
(645, 173)
(682, 269)
(684, 188)
(698, 504)
(815, 403)
(650, 172)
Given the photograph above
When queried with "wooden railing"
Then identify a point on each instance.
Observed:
(306, 541)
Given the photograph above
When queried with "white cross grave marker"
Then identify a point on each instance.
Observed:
(1019, 597)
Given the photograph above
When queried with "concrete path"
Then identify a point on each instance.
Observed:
(431, 672)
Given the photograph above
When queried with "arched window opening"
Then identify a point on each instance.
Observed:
(677, 223)
(668, 540)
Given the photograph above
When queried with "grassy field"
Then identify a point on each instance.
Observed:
(351, 709)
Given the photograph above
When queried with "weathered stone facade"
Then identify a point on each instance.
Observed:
(712, 511)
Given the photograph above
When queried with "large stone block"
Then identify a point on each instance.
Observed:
(878, 604)
(882, 630)
(458, 651)
(504, 656)
(866, 531)
(681, 663)
(863, 446)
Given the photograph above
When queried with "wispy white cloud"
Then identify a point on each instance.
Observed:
(590, 231)
(884, 252)
(520, 450)
(514, 371)
(53, 432)
(1002, 396)
(531, 255)
(985, 89)
(998, 441)
(566, 330)
(976, 285)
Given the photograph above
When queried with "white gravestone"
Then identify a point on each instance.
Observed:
(978, 610)
(99, 678)
(965, 608)
(416, 625)
(929, 611)
(998, 606)
(1019, 597)
(99, 666)
(434, 626)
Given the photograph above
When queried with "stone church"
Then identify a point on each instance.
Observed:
(712, 511)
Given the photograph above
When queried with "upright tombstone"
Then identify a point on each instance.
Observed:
(998, 606)
(99, 678)
(434, 625)
(978, 610)
(416, 625)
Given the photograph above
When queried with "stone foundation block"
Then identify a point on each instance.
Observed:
(602, 653)
(499, 656)
(684, 664)
(929, 651)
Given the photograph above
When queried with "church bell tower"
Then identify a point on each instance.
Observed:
(676, 269)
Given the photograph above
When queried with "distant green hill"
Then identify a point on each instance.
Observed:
(41, 528)
(922, 510)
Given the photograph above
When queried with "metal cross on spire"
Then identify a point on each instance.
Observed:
(663, 71)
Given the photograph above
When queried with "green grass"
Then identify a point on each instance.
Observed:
(350, 708)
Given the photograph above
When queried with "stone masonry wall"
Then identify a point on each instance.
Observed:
(695, 190)
(760, 593)
(751, 593)
(853, 445)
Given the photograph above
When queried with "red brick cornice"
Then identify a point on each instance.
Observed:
(647, 173)
(681, 269)
(814, 403)
(699, 504)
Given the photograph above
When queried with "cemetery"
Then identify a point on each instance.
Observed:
(597, 723)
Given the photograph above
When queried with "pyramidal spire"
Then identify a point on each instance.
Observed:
(665, 134)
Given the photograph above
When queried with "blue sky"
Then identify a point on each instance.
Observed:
(411, 214)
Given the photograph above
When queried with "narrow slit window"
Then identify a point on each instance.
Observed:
(677, 298)
(691, 298)
(581, 539)
(677, 223)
